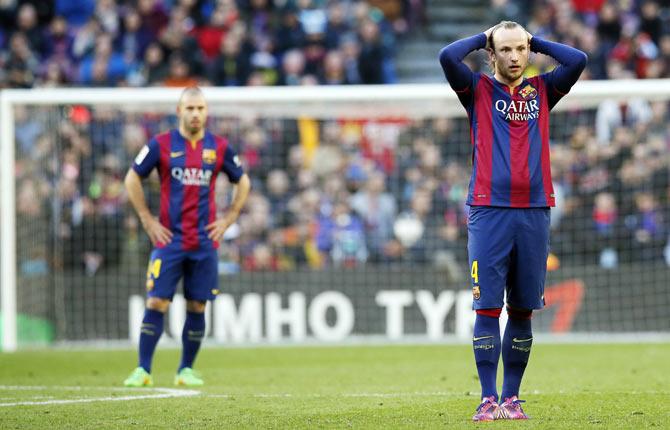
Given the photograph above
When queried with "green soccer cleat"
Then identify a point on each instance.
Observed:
(139, 378)
(187, 377)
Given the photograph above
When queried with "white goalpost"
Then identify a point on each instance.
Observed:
(401, 116)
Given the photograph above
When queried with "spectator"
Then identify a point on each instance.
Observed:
(154, 70)
(264, 64)
(609, 24)
(646, 229)
(333, 69)
(21, 64)
(179, 74)
(605, 221)
(28, 25)
(372, 56)
(54, 76)
(232, 66)
(293, 67)
(336, 26)
(33, 260)
(259, 20)
(650, 22)
(312, 18)
(278, 188)
(351, 50)
(59, 42)
(420, 244)
(315, 51)
(27, 129)
(291, 34)
(134, 37)
(104, 67)
(378, 210)
(211, 35)
(107, 13)
(154, 17)
(176, 38)
(84, 39)
(341, 236)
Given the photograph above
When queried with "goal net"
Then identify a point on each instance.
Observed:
(356, 224)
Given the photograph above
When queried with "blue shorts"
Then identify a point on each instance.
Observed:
(507, 252)
(199, 269)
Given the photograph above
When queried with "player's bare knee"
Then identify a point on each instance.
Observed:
(158, 304)
(196, 306)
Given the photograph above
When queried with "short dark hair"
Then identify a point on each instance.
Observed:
(190, 91)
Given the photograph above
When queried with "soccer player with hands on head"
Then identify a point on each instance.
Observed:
(186, 233)
(509, 195)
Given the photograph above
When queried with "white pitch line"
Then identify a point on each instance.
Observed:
(162, 393)
(170, 392)
(62, 387)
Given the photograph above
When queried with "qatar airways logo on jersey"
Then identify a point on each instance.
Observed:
(518, 110)
(192, 176)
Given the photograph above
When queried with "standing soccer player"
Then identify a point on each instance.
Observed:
(186, 234)
(509, 195)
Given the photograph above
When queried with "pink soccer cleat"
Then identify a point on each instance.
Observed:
(487, 410)
(511, 409)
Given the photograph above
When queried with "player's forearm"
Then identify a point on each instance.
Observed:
(572, 60)
(451, 59)
(240, 194)
(133, 184)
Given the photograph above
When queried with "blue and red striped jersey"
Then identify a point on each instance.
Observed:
(188, 172)
(510, 139)
(509, 130)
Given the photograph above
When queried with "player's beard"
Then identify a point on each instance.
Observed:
(193, 129)
(512, 75)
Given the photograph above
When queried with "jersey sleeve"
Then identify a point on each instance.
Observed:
(147, 158)
(460, 77)
(232, 166)
(571, 61)
(554, 95)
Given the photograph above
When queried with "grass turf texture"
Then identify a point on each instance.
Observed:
(566, 387)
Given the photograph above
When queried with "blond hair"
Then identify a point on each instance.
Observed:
(507, 25)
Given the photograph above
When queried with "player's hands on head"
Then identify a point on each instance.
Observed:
(218, 228)
(530, 36)
(157, 232)
(488, 36)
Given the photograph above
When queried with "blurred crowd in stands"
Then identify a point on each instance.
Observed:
(325, 193)
(623, 38)
(350, 194)
(207, 42)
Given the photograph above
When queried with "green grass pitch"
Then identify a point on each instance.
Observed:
(566, 387)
